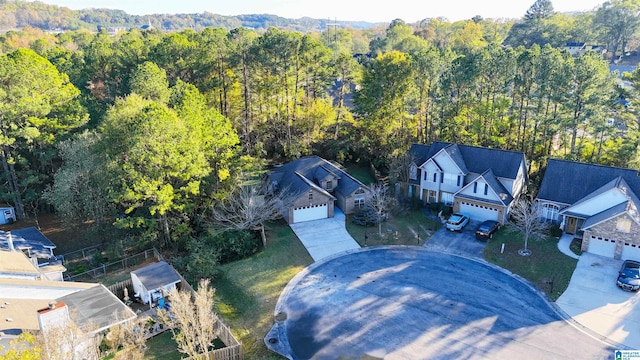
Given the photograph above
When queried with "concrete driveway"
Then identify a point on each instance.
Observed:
(411, 303)
(594, 300)
(459, 243)
(325, 237)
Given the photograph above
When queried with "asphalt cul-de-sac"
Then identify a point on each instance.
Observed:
(412, 303)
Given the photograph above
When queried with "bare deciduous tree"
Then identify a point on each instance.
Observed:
(192, 320)
(128, 339)
(67, 341)
(380, 203)
(248, 208)
(525, 218)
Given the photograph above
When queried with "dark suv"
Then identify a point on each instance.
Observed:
(486, 229)
(629, 276)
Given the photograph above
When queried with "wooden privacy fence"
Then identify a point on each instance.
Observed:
(232, 349)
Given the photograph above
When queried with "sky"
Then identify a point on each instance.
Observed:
(343, 10)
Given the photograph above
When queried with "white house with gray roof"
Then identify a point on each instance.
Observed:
(479, 182)
(316, 187)
(596, 203)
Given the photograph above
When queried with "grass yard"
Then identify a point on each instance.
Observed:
(162, 347)
(545, 264)
(361, 173)
(247, 290)
(412, 228)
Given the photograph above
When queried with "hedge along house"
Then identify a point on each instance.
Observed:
(598, 204)
(479, 182)
(316, 186)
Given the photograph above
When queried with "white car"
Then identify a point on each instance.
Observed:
(457, 221)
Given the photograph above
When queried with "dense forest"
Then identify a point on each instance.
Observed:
(17, 14)
(144, 133)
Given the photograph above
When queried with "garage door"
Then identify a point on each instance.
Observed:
(630, 251)
(478, 212)
(309, 213)
(602, 246)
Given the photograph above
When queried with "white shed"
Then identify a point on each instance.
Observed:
(7, 215)
(150, 281)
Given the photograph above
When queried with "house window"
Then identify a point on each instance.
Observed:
(310, 195)
(434, 177)
(550, 212)
(328, 185)
(441, 178)
(447, 198)
(425, 176)
(459, 178)
(413, 172)
(451, 179)
(486, 189)
(624, 224)
(475, 187)
(358, 203)
(433, 197)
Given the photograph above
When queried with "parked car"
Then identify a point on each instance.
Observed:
(457, 221)
(629, 276)
(486, 229)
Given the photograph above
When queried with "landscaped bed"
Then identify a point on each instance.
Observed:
(546, 267)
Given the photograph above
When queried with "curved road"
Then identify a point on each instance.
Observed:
(411, 303)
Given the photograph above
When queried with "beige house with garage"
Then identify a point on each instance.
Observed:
(598, 204)
(317, 187)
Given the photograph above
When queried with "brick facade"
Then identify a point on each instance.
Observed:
(609, 230)
(318, 198)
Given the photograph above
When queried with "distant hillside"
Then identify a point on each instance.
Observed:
(19, 14)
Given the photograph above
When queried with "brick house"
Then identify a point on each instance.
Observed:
(595, 203)
(317, 187)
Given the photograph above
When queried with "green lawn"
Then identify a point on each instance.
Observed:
(162, 347)
(399, 229)
(545, 264)
(247, 290)
(361, 173)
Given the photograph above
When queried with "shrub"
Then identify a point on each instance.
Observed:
(234, 245)
(554, 230)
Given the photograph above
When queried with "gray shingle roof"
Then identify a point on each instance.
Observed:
(28, 238)
(497, 186)
(605, 215)
(157, 275)
(568, 181)
(298, 176)
(504, 163)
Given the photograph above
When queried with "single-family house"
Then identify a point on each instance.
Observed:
(92, 307)
(596, 203)
(316, 186)
(30, 241)
(480, 182)
(580, 48)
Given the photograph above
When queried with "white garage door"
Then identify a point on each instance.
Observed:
(310, 213)
(478, 212)
(630, 251)
(602, 246)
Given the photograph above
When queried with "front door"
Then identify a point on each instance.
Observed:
(570, 228)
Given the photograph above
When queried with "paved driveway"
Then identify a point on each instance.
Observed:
(325, 237)
(411, 303)
(594, 300)
(459, 243)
